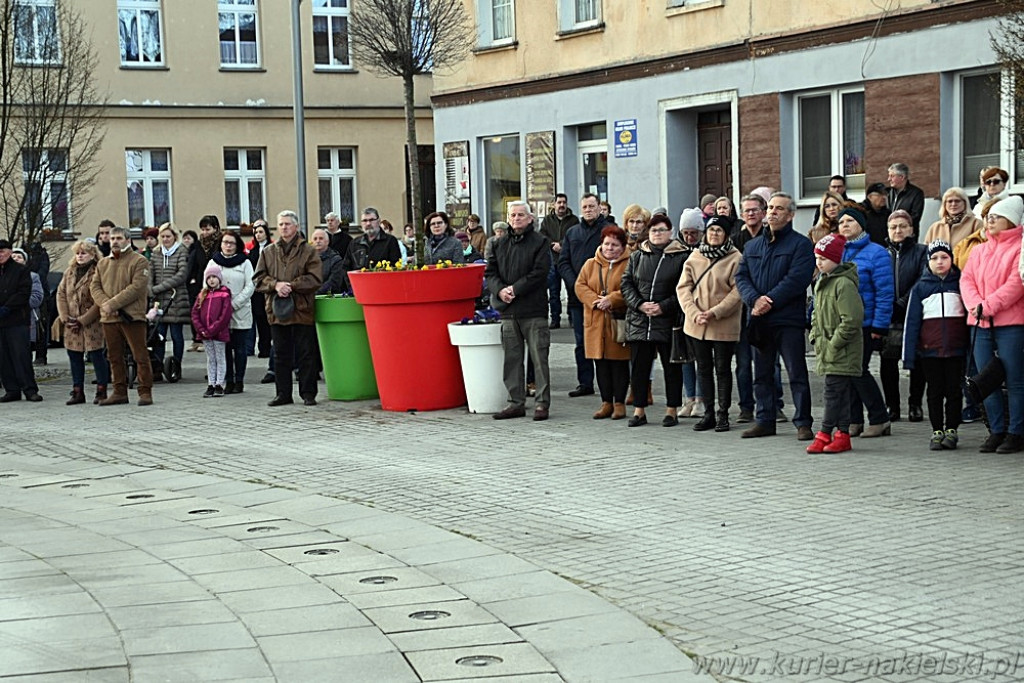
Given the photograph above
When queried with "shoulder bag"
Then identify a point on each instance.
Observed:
(682, 346)
(987, 380)
(618, 319)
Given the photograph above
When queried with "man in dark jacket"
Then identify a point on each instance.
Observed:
(373, 246)
(516, 275)
(773, 277)
(554, 227)
(905, 195)
(333, 272)
(581, 243)
(15, 358)
(876, 211)
(337, 235)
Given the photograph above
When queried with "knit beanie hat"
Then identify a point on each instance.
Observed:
(1011, 208)
(939, 245)
(214, 270)
(723, 222)
(705, 200)
(831, 247)
(855, 215)
(691, 219)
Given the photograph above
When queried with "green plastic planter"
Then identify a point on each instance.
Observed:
(345, 349)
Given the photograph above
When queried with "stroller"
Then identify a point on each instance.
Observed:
(168, 369)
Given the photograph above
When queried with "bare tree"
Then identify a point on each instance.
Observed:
(1007, 42)
(407, 38)
(51, 124)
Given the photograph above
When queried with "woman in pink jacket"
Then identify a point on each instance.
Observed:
(993, 295)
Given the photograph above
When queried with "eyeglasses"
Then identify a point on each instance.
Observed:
(994, 181)
(660, 230)
(751, 211)
(433, 223)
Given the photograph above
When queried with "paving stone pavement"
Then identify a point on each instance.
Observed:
(746, 559)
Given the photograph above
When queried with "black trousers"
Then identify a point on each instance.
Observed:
(294, 345)
(259, 316)
(714, 362)
(16, 372)
(642, 357)
(612, 379)
(838, 393)
(945, 397)
(890, 371)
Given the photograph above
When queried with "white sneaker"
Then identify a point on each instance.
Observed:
(687, 409)
(698, 408)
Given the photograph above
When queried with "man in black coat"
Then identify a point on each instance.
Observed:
(15, 357)
(517, 274)
(905, 195)
(581, 243)
(373, 246)
(337, 235)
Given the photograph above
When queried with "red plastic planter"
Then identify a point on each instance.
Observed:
(407, 314)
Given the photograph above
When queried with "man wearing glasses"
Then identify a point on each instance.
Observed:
(905, 195)
(373, 246)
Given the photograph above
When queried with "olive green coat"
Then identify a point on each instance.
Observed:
(836, 322)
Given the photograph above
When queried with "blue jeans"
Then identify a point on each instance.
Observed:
(236, 356)
(691, 381)
(584, 366)
(99, 364)
(1009, 342)
(554, 291)
(177, 340)
(787, 342)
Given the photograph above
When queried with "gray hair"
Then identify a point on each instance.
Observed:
(288, 213)
(319, 230)
(521, 203)
(370, 211)
(783, 195)
(755, 198)
(122, 231)
(901, 169)
(330, 215)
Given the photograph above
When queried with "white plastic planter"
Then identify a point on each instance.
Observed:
(482, 362)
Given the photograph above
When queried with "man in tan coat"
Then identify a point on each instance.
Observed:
(289, 273)
(119, 289)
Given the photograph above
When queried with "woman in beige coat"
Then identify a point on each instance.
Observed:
(712, 307)
(79, 318)
(956, 222)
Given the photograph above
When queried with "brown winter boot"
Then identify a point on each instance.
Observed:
(604, 411)
(77, 396)
(619, 411)
(101, 394)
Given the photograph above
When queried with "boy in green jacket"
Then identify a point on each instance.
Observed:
(838, 342)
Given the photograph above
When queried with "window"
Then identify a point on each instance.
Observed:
(695, 3)
(149, 187)
(831, 138)
(578, 14)
(244, 181)
(336, 176)
(36, 38)
(45, 173)
(237, 22)
(496, 22)
(991, 130)
(502, 175)
(138, 24)
(330, 34)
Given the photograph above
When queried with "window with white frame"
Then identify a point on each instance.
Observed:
(578, 14)
(139, 32)
(236, 20)
(330, 34)
(496, 22)
(336, 178)
(991, 128)
(830, 134)
(245, 197)
(149, 187)
(36, 34)
(45, 173)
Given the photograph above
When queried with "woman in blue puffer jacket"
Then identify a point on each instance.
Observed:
(877, 291)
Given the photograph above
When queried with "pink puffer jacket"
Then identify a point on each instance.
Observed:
(991, 278)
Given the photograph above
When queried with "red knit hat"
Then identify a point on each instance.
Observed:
(831, 247)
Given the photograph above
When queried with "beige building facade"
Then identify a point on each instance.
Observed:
(661, 102)
(200, 116)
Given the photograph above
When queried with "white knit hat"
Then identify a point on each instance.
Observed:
(691, 219)
(1011, 208)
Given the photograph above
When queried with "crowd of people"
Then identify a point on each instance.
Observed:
(726, 298)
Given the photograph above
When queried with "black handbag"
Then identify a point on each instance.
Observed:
(682, 343)
(892, 345)
(618, 317)
(989, 379)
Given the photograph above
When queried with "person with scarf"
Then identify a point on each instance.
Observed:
(236, 274)
(956, 221)
(713, 315)
(994, 185)
(167, 273)
(440, 244)
(209, 242)
(79, 318)
(690, 234)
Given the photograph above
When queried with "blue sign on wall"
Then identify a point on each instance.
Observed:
(625, 138)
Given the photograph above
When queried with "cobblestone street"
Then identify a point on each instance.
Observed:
(754, 559)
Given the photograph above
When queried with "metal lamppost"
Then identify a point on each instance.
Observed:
(299, 115)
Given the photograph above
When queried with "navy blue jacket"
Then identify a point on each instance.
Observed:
(909, 261)
(579, 245)
(781, 266)
(936, 323)
(877, 289)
